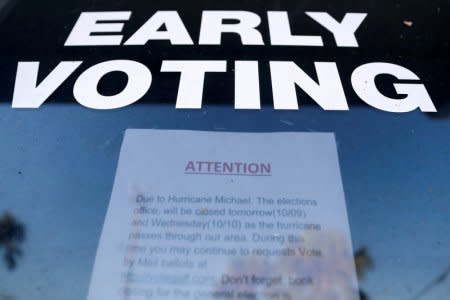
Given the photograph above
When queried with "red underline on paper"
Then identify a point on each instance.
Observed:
(227, 174)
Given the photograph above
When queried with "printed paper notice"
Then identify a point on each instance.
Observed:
(215, 215)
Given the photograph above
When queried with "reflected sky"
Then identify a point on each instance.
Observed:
(58, 163)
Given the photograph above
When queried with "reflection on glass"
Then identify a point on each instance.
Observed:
(395, 171)
(12, 234)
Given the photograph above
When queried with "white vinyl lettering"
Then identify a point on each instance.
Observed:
(88, 23)
(213, 26)
(246, 85)
(192, 77)
(343, 32)
(363, 81)
(29, 94)
(139, 80)
(175, 31)
(328, 93)
(280, 32)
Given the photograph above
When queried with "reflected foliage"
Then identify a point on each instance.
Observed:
(6, 297)
(363, 296)
(12, 235)
(363, 263)
(329, 275)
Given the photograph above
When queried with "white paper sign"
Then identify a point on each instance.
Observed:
(208, 215)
